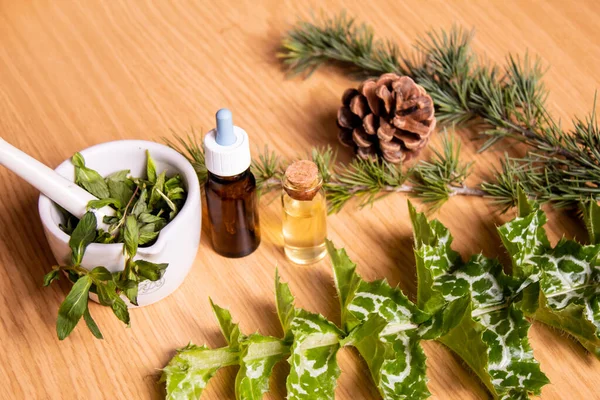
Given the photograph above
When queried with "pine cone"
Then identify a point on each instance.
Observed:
(391, 117)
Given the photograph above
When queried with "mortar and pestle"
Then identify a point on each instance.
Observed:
(177, 243)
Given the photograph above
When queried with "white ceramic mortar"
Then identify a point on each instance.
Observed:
(177, 243)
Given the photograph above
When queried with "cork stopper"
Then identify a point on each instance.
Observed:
(302, 181)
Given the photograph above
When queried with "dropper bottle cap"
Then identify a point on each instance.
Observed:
(226, 148)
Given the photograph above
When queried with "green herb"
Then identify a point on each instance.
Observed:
(562, 284)
(434, 181)
(136, 223)
(503, 102)
(377, 319)
(493, 327)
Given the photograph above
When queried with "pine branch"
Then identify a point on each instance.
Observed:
(433, 181)
(505, 101)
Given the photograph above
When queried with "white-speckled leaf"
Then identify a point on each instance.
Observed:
(259, 354)
(314, 370)
(384, 327)
(188, 373)
(492, 336)
(393, 353)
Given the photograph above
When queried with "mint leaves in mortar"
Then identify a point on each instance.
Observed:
(143, 207)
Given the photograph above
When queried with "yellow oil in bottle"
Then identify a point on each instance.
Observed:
(304, 213)
(304, 228)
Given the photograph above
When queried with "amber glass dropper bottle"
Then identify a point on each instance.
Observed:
(230, 189)
(304, 213)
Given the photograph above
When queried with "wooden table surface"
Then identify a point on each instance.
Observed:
(74, 74)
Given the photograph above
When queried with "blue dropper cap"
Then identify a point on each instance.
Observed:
(225, 135)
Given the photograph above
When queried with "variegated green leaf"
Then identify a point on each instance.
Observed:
(259, 354)
(394, 355)
(346, 279)
(314, 370)
(188, 373)
(570, 285)
(285, 306)
(492, 335)
(230, 330)
(524, 237)
(384, 327)
(560, 286)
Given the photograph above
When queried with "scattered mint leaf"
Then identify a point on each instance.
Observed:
(157, 189)
(89, 179)
(132, 236)
(148, 233)
(100, 274)
(83, 234)
(119, 176)
(91, 324)
(73, 307)
(149, 270)
(141, 207)
(120, 309)
(51, 276)
(120, 191)
(150, 168)
(97, 204)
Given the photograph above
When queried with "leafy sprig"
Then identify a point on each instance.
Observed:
(562, 167)
(433, 181)
(142, 208)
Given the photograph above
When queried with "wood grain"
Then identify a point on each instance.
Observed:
(73, 74)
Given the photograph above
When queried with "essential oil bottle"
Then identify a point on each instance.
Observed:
(304, 213)
(230, 189)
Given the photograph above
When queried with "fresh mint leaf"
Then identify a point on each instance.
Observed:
(150, 168)
(91, 324)
(100, 274)
(107, 292)
(98, 204)
(73, 307)
(141, 207)
(131, 236)
(285, 306)
(89, 179)
(148, 233)
(314, 370)
(150, 271)
(120, 310)
(51, 276)
(83, 234)
(147, 218)
(118, 176)
(120, 191)
(157, 189)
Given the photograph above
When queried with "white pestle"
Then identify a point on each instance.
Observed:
(62, 191)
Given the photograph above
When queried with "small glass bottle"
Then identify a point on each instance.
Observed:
(304, 213)
(230, 189)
